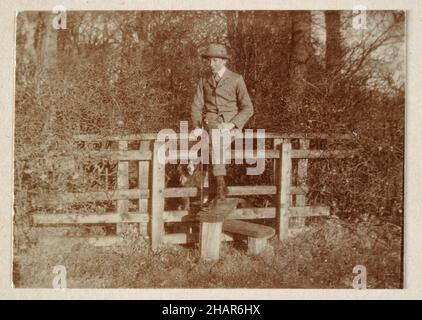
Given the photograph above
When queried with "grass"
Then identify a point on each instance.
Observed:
(321, 257)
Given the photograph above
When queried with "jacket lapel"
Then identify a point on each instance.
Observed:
(211, 81)
(226, 76)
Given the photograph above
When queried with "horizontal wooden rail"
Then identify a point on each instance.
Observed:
(275, 154)
(184, 238)
(235, 154)
(263, 190)
(268, 135)
(309, 211)
(316, 154)
(67, 198)
(243, 213)
(77, 218)
(95, 241)
(136, 155)
(233, 191)
(168, 216)
(252, 213)
(171, 216)
(126, 194)
(124, 155)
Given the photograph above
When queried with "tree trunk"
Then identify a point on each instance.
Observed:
(300, 54)
(235, 33)
(46, 64)
(28, 22)
(334, 48)
(48, 36)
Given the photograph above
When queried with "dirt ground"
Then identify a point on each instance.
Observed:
(323, 256)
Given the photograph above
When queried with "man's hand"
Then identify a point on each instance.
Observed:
(197, 131)
(225, 126)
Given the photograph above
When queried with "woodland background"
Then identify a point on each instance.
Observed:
(306, 71)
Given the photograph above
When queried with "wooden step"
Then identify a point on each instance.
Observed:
(248, 229)
(257, 234)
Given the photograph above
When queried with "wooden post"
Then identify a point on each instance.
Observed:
(157, 197)
(284, 183)
(122, 183)
(143, 183)
(210, 240)
(276, 145)
(302, 171)
(256, 245)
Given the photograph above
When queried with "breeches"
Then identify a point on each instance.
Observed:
(217, 149)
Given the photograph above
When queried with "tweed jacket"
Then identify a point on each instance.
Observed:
(228, 99)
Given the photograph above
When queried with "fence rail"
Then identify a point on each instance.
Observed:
(127, 194)
(268, 135)
(289, 171)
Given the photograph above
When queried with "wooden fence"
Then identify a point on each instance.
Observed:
(289, 190)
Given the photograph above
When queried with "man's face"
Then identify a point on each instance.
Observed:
(216, 64)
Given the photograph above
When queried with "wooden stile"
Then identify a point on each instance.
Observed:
(151, 194)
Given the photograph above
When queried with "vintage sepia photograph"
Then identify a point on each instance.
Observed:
(209, 149)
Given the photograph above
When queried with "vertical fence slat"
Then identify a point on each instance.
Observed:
(291, 196)
(276, 167)
(284, 183)
(157, 198)
(143, 183)
(122, 183)
(302, 172)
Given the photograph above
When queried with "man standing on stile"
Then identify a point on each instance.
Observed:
(221, 102)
